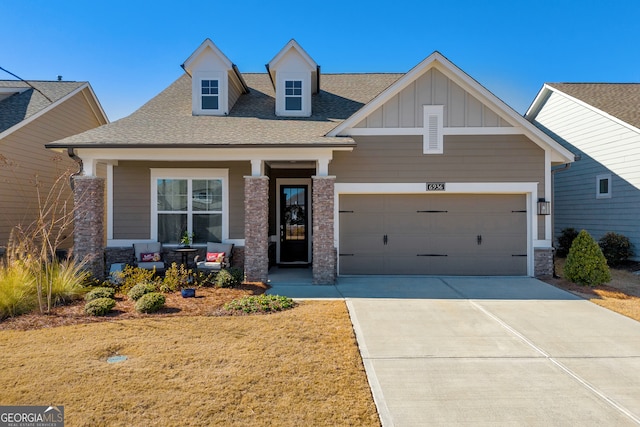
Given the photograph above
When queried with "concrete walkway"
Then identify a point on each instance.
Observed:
(488, 351)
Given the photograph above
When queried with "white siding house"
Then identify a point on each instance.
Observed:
(600, 124)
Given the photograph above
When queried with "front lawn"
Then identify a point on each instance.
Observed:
(296, 367)
(621, 294)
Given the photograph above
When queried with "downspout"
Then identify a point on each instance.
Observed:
(78, 160)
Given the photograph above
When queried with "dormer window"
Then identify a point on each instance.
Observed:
(216, 83)
(295, 77)
(293, 95)
(210, 94)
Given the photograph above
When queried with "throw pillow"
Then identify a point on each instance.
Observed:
(215, 256)
(150, 257)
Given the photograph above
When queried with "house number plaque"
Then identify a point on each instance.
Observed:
(435, 186)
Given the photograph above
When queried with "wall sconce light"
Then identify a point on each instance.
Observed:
(544, 208)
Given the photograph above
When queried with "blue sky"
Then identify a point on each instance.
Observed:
(131, 50)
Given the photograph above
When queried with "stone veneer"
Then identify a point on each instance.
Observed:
(543, 262)
(324, 252)
(256, 228)
(88, 230)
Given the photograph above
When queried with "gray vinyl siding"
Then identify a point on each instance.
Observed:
(501, 158)
(27, 158)
(234, 91)
(404, 110)
(605, 147)
(400, 159)
(132, 196)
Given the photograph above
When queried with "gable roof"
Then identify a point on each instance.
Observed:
(295, 46)
(440, 62)
(27, 104)
(620, 100)
(167, 120)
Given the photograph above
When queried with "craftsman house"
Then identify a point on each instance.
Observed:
(600, 122)
(33, 113)
(419, 173)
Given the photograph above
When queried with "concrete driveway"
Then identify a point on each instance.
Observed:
(490, 351)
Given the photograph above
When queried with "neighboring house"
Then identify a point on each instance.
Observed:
(33, 113)
(419, 173)
(600, 123)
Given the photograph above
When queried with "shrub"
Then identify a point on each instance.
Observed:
(101, 292)
(586, 265)
(99, 306)
(131, 276)
(17, 290)
(229, 277)
(616, 248)
(176, 277)
(260, 304)
(141, 289)
(567, 235)
(150, 303)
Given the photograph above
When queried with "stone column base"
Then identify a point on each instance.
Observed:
(324, 252)
(88, 228)
(543, 262)
(256, 228)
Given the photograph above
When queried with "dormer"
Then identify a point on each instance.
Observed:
(295, 77)
(216, 83)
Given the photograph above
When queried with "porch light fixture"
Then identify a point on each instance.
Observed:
(544, 207)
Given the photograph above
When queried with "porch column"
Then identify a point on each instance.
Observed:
(88, 229)
(256, 228)
(324, 252)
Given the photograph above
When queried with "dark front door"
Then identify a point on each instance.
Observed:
(294, 221)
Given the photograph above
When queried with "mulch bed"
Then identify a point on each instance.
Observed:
(208, 302)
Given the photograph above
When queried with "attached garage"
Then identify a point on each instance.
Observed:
(441, 234)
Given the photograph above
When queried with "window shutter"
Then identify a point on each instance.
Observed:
(433, 125)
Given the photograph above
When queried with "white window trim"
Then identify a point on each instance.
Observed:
(433, 129)
(305, 78)
(171, 173)
(599, 178)
(301, 96)
(196, 90)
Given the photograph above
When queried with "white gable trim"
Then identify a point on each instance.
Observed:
(442, 64)
(206, 44)
(293, 44)
(53, 105)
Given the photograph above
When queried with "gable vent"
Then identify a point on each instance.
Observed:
(433, 124)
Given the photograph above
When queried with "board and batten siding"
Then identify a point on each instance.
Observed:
(468, 159)
(404, 110)
(132, 196)
(606, 147)
(27, 157)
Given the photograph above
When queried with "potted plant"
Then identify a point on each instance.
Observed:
(186, 239)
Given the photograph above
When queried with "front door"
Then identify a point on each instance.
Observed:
(294, 223)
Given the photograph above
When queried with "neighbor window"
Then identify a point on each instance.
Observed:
(603, 186)
(210, 91)
(189, 204)
(293, 95)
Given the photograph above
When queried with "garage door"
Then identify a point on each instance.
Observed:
(448, 234)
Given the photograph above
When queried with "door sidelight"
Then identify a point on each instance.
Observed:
(385, 239)
(479, 239)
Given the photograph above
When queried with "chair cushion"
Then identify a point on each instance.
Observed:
(146, 248)
(159, 266)
(214, 266)
(220, 247)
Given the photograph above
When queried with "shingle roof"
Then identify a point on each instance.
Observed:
(21, 106)
(166, 120)
(621, 100)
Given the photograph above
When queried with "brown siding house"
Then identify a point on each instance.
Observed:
(419, 173)
(33, 113)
